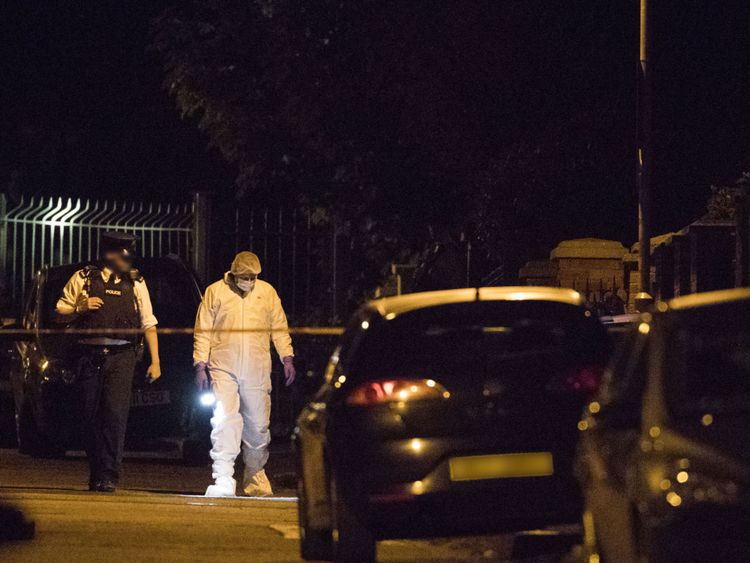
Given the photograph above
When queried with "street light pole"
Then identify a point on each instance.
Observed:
(645, 151)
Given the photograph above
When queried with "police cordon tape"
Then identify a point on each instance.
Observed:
(10, 333)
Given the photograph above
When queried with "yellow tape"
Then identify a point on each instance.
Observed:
(308, 330)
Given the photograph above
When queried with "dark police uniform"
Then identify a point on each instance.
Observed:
(106, 360)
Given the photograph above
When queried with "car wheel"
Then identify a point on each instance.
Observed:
(314, 544)
(354, 541)
(8, 428)
(31, 441)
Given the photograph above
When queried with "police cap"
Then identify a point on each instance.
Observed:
(114, 241)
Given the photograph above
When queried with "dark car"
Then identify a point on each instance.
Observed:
(449, 412)
(8, 354)
(664, 458)
(166, 416)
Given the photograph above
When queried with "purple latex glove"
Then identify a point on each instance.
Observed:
(202, 378)
(289, 372)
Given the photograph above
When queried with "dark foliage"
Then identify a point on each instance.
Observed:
(417, 123)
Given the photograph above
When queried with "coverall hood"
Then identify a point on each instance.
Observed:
(245, 263)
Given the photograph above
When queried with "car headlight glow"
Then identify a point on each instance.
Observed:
(56, 371)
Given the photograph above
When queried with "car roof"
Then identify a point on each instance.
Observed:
(411, 301)
(709, 298)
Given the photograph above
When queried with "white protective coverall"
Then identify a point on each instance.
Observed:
(240, 367)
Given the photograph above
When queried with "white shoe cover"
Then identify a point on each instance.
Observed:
(258, 485)
(223, 487)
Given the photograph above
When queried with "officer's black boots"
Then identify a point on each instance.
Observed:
(105, 486)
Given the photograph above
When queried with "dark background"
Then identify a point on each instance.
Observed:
(84, 111)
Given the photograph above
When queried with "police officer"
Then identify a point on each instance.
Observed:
(109, 295)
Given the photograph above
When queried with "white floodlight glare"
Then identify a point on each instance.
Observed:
(207, 399)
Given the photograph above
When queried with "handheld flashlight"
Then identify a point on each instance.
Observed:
(207, 399)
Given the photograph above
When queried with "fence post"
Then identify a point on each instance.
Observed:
(742, 238)
(334, 274)
(3, 235)
(201, 234)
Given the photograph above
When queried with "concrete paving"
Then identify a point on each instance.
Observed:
(156, 516)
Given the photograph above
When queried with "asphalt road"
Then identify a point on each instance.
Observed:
(160, 515)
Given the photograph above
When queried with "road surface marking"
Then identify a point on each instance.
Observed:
(212, 499)
(289, 531)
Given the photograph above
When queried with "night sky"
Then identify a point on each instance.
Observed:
(702, 107)
(84, 111)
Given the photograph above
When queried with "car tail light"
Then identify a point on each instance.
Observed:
(395, 390)
(584, 379)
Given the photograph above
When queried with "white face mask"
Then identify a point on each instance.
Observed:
(245, 285)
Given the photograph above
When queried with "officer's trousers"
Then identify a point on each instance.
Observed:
(106, 378)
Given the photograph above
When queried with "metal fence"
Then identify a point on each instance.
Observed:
(305, 255)
(39, 231)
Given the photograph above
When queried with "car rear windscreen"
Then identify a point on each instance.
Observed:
(461, 344)
(709, 365)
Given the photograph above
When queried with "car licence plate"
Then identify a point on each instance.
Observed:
(149, 398)
(501, 466)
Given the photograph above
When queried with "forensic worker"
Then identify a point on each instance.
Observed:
(238, 318)
(109, 295)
